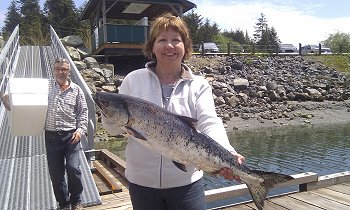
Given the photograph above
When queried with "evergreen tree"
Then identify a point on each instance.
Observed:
(31, 26)
(208, 31)
(260, 27)
(265, 38)
(13, 18)
(62, 16)
(194, 22)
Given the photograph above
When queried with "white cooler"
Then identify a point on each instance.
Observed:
(28, 101)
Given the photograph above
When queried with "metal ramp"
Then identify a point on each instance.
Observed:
(23, 167)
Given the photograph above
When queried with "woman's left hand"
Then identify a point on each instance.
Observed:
(227, 173)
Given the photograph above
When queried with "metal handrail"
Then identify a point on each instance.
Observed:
(7, 57)
(60, 51)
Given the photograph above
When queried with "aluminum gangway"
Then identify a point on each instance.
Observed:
(24, 177)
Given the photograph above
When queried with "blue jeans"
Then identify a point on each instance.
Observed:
(63, 156)
(189, 197)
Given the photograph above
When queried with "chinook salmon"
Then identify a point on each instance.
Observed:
(175, 137)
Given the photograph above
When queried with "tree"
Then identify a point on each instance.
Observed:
(338, 42)
(260, 28)
(266, 38)
(13, 18)
(31, 26)
(194, 22)
(63, 16)
(208, 31)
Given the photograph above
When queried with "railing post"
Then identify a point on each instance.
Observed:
(202, 48)
(319, 48)
(228, 48)
(300, 48)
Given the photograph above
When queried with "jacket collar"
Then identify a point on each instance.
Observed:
(186, 73)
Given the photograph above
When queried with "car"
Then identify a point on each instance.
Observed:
(315, 49)
(287, 48)
(209, 47)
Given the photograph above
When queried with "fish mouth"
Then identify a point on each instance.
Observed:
(99, 104)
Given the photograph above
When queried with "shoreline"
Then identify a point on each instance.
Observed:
(334, 113)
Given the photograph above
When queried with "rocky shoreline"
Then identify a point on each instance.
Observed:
(250, 91)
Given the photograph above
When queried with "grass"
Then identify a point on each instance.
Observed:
(338, 62)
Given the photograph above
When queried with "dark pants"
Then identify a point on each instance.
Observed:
(189, 197)
(63, 156)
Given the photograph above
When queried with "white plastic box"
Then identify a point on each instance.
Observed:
(28, 101)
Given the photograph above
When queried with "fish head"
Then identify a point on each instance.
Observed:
(112, 107)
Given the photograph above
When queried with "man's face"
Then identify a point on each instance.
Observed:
(61, 71)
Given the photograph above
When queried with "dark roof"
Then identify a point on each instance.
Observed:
(156, 8)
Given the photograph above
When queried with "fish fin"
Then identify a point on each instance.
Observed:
(188, 120)
(134, 133)
(259, 190)
(181, 166)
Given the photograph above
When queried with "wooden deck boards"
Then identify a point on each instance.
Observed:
(336, 197)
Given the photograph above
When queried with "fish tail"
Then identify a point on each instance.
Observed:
(259, 190)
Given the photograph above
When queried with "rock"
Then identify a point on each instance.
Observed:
(73, 53)
(73, 41)
(91, 62)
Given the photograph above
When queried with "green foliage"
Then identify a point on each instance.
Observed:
(338, 62)
(62, 15)
(31, 30)
(224, 42)
(13, 18)
(338, 42)
(266, 38)
(194, 22)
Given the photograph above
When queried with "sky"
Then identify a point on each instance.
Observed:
(296, 21)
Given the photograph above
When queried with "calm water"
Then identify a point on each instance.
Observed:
(290, 150)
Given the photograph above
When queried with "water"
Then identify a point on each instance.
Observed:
(290, 150)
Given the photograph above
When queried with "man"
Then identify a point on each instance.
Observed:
(66, 121)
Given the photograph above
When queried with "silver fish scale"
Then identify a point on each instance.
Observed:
(170, 136)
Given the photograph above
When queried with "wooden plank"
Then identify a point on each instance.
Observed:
(268, 205)
(238, 190)
(101, 186)
(342, 188)
(329, 180)
(113, 161)
(333, 195)
(292, 203)
(235, 207)
(106, 176)
(319, 201)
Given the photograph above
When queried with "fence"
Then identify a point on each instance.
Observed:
(230, 48)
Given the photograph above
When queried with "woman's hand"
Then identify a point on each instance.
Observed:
(227, 173)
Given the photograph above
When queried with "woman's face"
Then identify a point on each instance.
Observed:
(169, 47)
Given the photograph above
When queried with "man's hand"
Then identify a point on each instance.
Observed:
(227, 173)
(6, 101)
(76, 137)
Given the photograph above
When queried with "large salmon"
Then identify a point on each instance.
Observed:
(175, 137)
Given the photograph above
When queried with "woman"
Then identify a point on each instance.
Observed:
(155, 182)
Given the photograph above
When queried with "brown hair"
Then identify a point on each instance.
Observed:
(164, 22)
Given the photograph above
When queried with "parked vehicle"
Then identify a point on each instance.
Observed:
(315, 49)
(209, 47)
(287, 48)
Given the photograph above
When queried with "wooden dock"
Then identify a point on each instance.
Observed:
(315, 192)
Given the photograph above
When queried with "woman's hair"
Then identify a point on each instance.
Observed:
(163, 23)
